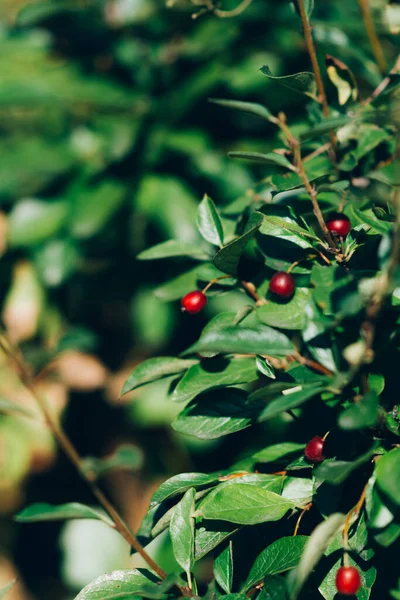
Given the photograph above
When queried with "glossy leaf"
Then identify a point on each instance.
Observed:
(244, 504)
(210, 375)
(48, 512)
(223, 568)
(302, 83)
(209, 222)
(154, 369)
(268, 159)
(227, 259)
(280, 556)
(251, 108)
(290, 400)
(243, 340)
(126, 457)
(277, 451)
(274, 588)
(286, 315)
(265, 367)
(210, 534)
(179, 484)
(287, 229)
(337, 471)
(32, 221)
(215, 415)
(181, 529)
(122, 585)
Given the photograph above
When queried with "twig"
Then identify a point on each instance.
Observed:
(312, 192)
(234, 12)
(301, 515)
(353, 513)
(314, 61)
(251, 290)
(373, 38)
(71, 452)
(313, 364)
(384, 83)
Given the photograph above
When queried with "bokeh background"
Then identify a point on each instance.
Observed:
(107, 145)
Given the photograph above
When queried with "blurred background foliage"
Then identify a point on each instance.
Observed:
(107, 146)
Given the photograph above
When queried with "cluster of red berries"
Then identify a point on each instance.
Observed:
(348, 579)
(282, 285)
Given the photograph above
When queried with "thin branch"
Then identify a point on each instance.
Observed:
(314, 61)
(305, 509)
(251, 290)
(295, 146)
(352, 516)
(313, 364)
(373, 38)
(74, 457)
(234, 12)
(384, 83)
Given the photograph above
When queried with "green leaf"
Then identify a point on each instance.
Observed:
(123, 585)
(125, 457)
(361, 414)
(177, 287)
(325, 126)
(220, 321)
(209, 534)
(388, 475)
(42, 511)
(154, 369)
(179, 484)
(287, 315)
(278, 557)
(181, 530)
(288, 401)
(337, 471)
(244, 504)
(209, 222)
(173, 248)
(223, 568)
(210, 375)
(243, 340)
(227, 259)
(250, 108)
(33, 221)
(286, 228)
(215, 415)
(272, 158)
(302, 83)
(265, 367)
(93, 207)
(4, 590)
(277, 451)
(314, 549)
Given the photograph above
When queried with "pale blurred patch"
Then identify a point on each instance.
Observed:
(8, 573)
(23, 304)
(81, 372)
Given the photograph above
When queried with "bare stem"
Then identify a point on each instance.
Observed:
(373, 38)
(352, 516)
(69, 449)
(295, 146)
(314, 61)
(384, 83)
(234, 12)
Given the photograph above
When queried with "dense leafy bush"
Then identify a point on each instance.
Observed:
(301, 370)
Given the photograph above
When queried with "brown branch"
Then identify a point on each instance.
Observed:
(373, 38)
(313, 364)
(301, 515)
(251, 290)
(234, 12)
(74, 457)
(314, 61)
(354, 513)
(384, 83)
(295, 146)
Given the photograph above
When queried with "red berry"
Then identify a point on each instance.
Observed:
(314, 451)
(348, 581)
(194, 302)
(339, 224)
(282, 284)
